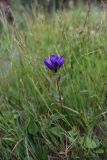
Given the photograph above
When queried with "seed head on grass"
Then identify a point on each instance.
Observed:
(55, 62)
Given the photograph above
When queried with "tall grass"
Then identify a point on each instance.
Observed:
(33, 124)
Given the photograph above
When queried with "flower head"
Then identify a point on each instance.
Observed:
(54, 63)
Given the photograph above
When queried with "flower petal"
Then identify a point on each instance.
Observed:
(52, 58)
(48, 64)
(61, 61)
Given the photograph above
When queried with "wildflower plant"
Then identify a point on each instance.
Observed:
(54, 64)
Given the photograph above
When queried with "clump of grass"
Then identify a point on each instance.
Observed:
(32, 123)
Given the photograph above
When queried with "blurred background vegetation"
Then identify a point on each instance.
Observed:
(56, 4)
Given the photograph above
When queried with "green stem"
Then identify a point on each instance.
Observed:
(59, 92)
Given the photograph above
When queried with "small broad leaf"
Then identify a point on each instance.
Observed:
(90, 143)
(72, 133)
(56, 116)
(99, 151)
(23, 120)
(81, 141)
(57, 131)
(32, 128)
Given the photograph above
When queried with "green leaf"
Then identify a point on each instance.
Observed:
(72, 133)
(57, 131)
(81, 141)
(24, 120)
(99, 151)
(55, 95)
(90, 143)
(71, 110)
(32, 128)
(56, 116)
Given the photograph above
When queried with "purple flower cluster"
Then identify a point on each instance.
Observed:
(54, 63)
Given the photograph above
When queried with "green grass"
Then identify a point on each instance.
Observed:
(33, 124)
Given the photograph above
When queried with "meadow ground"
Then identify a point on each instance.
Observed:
(40, 120)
